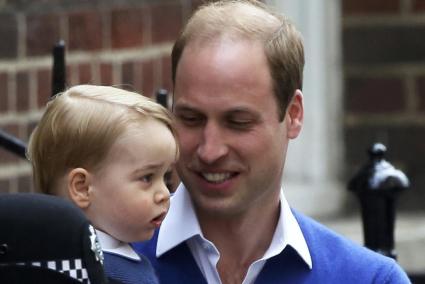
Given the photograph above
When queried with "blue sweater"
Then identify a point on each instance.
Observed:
(129, 271)
(335, 260)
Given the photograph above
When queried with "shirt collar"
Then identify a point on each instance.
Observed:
(112, 245)
(181, 209)
(288, 231)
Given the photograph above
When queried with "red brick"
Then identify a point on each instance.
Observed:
(127, 27)
(350, 7)
(4, 186)
(137, 76)
(131, 76)
(157, 72)
(195, 4)
(44, 87)
(148, 78)
(85, 31)
(26, 130)
(127, 74)
(22, 91)
(166, 74)
(69, 70)
(9, 34)
(421, 93)
(166, 22)
(25, 184)
(4, 93)
(29, 128)
(384, 44)
(418, 5)
(84, 74)
(5, 155)
(106, 74)
(374, 95)
(405, 143)
(42, 33)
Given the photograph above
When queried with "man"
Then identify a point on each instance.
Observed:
(237, 73)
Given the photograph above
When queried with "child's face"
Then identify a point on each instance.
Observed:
(128, 195)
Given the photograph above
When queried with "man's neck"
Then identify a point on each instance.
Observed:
(240, 239)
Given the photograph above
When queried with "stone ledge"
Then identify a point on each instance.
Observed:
(409, 237)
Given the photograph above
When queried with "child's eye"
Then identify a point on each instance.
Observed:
(147, 178)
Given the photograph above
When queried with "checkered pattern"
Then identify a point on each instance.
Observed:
(73, 268)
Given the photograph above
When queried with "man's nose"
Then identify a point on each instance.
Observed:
(213, 144)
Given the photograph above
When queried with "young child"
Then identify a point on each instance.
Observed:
(109, 151)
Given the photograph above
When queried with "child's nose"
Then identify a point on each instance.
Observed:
(162, 194)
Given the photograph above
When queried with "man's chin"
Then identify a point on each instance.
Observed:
(215, 206)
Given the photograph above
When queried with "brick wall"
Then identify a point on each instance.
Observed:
(111, 42)
(127, 42)
(384, 56)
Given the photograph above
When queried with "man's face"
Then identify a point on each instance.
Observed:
(232, 143)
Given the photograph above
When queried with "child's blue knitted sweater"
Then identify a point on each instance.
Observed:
(129, 271)
(335, 260)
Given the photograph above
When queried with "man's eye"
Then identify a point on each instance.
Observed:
(240, 124)
(190, 119)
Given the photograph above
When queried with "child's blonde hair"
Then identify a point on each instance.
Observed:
(79, 127)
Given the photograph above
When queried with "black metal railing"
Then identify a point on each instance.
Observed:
(17, 146)
(59, 68)
(377, 186)
(161, 97)
(12, 144)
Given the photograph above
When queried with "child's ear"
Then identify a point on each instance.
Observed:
(78, 187)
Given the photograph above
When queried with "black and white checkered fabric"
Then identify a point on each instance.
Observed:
(73, 268)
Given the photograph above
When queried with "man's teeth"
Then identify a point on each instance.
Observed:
(216, 177)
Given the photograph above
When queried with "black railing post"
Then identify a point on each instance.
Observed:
(377, 185)
(162, 97)
(12, 144)
(172, 179)
(59, 69)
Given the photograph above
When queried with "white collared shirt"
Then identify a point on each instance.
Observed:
(181, 224)
(114, 246)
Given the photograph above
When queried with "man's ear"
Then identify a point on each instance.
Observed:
(295, 114)
(78, 187)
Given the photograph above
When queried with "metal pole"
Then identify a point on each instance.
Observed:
(377, 185)
(13, 144)
(59, 70)
(162, 97)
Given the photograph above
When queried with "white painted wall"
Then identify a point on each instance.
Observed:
(314, 163)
